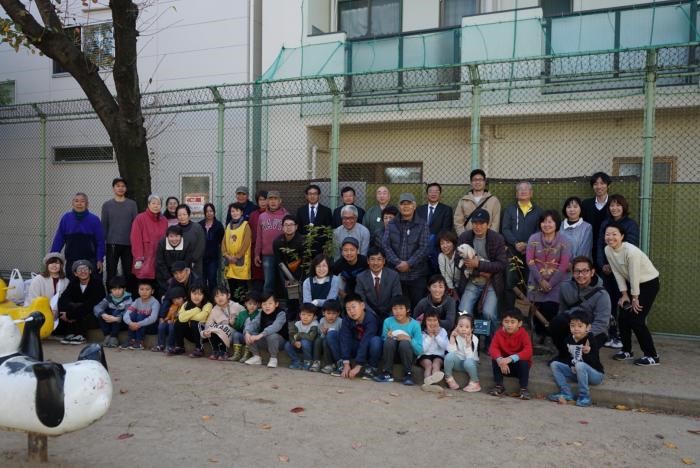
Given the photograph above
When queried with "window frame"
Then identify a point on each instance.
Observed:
(58, 71)
(13, 92)
(369, 34)
(672, 161)
(82, 147)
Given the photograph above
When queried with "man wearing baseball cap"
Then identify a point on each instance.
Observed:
(269, 228)
(406, 246)
(485, 270)
(350, 265)
(243, 197)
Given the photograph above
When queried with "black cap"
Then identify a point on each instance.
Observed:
(351, 240)
(175, 291)
(178, 266)
(480, 215)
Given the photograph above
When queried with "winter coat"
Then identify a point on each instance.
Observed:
(146, 231)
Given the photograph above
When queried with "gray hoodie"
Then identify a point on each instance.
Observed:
(593, 299)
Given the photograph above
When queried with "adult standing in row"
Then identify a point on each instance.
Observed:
(269, 228)
(373, 217)
(236, 250)
(351, 227)
(256, 272)
(194, 237)
(117, 216)
(313, 213)
(347, 196)
(477, 197)
(147, 230)
(213, 234)
(438, 217)
(170, 212)
(577, 232)
(82, 234)
(595, 210)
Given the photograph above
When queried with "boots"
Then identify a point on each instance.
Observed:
(246, 354)
(237, 352)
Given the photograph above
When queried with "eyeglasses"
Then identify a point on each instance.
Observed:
(582, 272)
(348, 218)
(288, 225)
(82, 269)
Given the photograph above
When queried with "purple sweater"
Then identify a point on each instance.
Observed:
(84, 238)
(549, 261)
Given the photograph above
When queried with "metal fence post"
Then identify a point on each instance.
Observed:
(335, 143)
(648, 160)
(42, 189)
(476, 117)
(219, 151)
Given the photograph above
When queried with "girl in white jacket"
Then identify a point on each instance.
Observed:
(462, 354)
(434, 347)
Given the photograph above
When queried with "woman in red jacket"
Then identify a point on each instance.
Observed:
(148, 228)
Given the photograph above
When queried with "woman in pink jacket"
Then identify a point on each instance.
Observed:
(147, 229)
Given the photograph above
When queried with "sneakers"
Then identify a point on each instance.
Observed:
(110, 342)
(473, 387)
(67, 339)
(106, 341)
(327, 369)
(128, 344)
(368, 373)
(647, 361)
(434, 378)
(74, 340)
(613, 343)
(431, 388)
(384, 377)
(584, 401)
(295, 365)
(451, 383)
(272, 363)
(524, 394)
(315, 366)
(197, 353)
(623, 356)
(498, 390)
(138, 345)
(175, 351)
(338, 369)
(408, 379)
(306, 365)
(254, 360)
(158, 348)
(556, 397)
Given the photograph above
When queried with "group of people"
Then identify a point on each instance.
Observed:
(350, 292)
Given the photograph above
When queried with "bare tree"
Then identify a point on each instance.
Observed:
(121, 115)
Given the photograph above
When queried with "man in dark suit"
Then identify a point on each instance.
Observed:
(438, 217)
(378, 285)
(595, 210)
(314, 214)
(347, 196)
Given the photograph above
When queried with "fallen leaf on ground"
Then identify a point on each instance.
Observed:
(206, 417)
(402, 432)
(622, 408)
(297, 409)
(394, 394)
(670, 445)
(578, 444)
(125, 435)
(583, 422)
(122, 391)
(356, 445)
(659, 436)
(265, 427)
(283, 458)
(521, 438)
(694, 431)
(340, 391)
(275, 386)
(213, 460)
(688, 461)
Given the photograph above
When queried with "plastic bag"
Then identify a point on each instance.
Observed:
(27, 287)
(15, 289)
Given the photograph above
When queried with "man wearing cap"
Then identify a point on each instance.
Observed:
(350, 265)
(181, 277)
(482, 278)
(118, 214)
(373, 217)
(82, 234)
(269, 228)
(406, 246)
(173, 248)
(243, 197)
(477, 197)
(76, 303)
(347, 196)
(350, 227)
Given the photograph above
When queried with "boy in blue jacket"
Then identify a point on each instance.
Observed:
(400, 332)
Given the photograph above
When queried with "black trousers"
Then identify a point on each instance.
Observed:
(391, 346)
(519, 370)
(414, 289)
(637, 322)
(114, 253)
(189, 330)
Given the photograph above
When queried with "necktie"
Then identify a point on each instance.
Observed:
(312, 215)
(376, 286)
(430, 214)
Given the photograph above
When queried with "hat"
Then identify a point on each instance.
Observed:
(178, 266)
(242, 189)
(57, 255)
(273, 194)
(351, 240)
(78, 263)
(175, 291)
(407, 197)
(480, 215)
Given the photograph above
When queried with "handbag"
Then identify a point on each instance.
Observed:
(290, 283)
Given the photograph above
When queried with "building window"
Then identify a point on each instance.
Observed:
(97, 43)
(452, 11)
(369, 18)
(382, 173)
(7, 93)
(556, 7)
(664, 168)
(83, 154)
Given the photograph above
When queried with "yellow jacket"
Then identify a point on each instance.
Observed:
(195, 313)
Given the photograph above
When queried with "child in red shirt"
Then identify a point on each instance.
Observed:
(511, 353)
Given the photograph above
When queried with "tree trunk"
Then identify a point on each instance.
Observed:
(134, 166)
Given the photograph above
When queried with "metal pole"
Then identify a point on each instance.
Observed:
(220, 162)
(475, 117)
(42, 157)
(335, 146)
(37, 448)
(648, 160)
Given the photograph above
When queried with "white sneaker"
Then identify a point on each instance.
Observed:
(272, 363)
(616, 344)
(68, 339)
(434, 378)
(254, 361)
(78, 340)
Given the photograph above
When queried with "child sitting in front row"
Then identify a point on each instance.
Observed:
(463, 354)
(400, 332)
(511, 353)
(175, 296)
(302, 335)
(241, 352)
(218, 328)
(192, 313)
(584, 367)
(434, 347)
(324, 349)
(268, 329)
(142, 313)
(110, 311)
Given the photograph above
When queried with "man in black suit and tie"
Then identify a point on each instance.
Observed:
(438, 217)
(314, 214)
(378, 285)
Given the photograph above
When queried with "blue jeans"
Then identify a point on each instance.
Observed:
(109, 329)
(454, 362)
(585, 375)
(270, 271)
(307, 348)
(238, 337)
(470, 299)
(166, 334)
(326, 350)
(368, 353)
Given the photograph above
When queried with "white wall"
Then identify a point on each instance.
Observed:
(420, 14)
(583, 5)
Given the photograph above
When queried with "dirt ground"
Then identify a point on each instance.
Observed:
(178, 411)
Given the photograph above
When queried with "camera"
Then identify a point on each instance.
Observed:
(627, 306)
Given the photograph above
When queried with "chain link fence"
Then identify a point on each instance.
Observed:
(551, 120)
